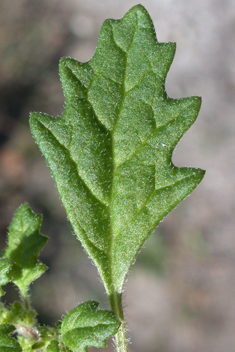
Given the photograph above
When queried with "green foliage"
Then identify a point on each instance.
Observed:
(86, 326)
(16, 314)
(5, 267)
(53, 347)
(7, 342)
(24, 244)
(49, 339)
(110, 154)
(84, 323)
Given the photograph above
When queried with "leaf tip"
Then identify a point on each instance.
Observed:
(64, 63)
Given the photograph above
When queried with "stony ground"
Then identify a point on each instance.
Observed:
(189, 305)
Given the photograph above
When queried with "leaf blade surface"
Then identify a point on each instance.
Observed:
(7, 342)
(5, 267)
(86, 326)
(24, 245)
(110, 152)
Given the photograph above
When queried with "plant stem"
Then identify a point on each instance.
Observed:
(26, 302)
(115, 300)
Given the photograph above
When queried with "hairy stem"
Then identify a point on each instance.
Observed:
(115, 300)
(26, 302)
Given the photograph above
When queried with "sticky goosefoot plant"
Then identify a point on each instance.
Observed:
(110, 156)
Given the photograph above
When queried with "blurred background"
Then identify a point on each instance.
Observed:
(180, 294)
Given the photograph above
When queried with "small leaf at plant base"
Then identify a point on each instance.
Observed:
(5, 267)
(17, 314)
(24, 245)
(110, 153)
(38, 345)
(53, 346)
(8, 343)
(86, 326)
(49, 339)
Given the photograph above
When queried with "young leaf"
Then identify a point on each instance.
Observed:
(5, 267)
(110, 152)
(49, 340)
(86, 326)
(17, 315)
(7, 342)
(53, 347)
(24, 245)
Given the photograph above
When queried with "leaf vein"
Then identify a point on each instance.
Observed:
(76, 168)
(138, 149)
(147, 200)
(87, 100)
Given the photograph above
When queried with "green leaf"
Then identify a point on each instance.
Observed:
(24, 245)
(110, 152)
(49, 340)
(5, 267)
(86, 326)
(8, 343)
(17, 314)
(53, 347)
